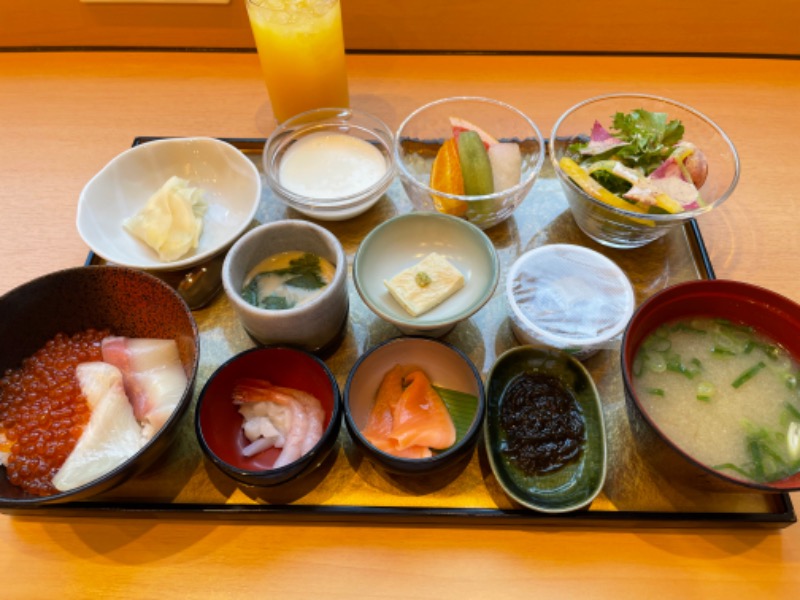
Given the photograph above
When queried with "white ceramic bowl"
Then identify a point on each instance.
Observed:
(325, 185)
(231, 182)
(313, 326)
(569, 297)
(402, 242)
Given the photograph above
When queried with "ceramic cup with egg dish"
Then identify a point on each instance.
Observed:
(568, 297)
(287, 282)
(331, 163)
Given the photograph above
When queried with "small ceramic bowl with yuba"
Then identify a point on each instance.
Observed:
(425, 272)
(287, 283)
(169, 204)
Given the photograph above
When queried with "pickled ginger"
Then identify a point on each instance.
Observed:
(172, 220)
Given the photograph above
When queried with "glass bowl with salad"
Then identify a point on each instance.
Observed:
(470, 157)
(634, 166)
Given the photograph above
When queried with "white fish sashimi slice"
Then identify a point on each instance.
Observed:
(153, 376)
(112, 435)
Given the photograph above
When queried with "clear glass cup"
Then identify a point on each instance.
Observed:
(300, 46)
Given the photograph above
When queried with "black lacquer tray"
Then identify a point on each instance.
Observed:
(647, 485)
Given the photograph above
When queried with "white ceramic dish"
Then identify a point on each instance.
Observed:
(231, 182)
(405, 240)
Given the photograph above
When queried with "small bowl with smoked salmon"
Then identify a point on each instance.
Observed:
(414, 406)
(269, 415)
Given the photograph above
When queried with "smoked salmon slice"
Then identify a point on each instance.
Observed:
(409, 418)
(420, 418)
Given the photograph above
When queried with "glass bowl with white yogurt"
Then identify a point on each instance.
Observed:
(330, 163)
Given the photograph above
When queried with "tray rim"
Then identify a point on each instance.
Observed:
(432, 516)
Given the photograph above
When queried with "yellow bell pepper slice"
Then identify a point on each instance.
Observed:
(597, 191)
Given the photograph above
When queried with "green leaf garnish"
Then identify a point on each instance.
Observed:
(462, 408)
(306, 270)
(649, 136)
(306, 281)
(275, 303)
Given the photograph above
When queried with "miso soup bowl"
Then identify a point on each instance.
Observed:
(769, 313)
(314, 326)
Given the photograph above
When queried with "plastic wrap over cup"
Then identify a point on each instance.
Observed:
(569, 297)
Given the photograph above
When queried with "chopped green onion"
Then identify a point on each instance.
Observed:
(792, 410)
(748, 375)
(657, 343)
(722, 351)
(790, 381)
(675, 364)
(655, 391)
(656, 363)
(681, 326)
(638, 363)
(705, 390)
(770, 350)
(731, 326)
(754, 449)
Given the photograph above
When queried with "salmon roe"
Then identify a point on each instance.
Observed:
(42, 409)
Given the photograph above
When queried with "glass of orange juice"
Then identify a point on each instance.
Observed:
(300, 46)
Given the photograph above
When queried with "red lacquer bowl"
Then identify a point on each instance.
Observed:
(769, 313)
(218, 423)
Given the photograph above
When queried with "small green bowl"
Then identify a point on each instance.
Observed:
(575, 485)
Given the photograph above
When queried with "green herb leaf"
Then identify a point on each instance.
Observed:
(275, 303)
(306, 281)
(649, 136)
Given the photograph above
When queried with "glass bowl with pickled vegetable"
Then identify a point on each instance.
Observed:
(470, 157)
(712, 367)
(634, 166)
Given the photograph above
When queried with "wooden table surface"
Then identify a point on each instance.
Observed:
(64, 115)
